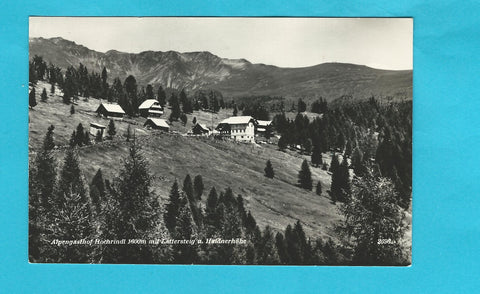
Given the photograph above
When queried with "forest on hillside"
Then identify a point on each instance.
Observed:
(371, 167)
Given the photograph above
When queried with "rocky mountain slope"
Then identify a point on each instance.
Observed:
(233, 77)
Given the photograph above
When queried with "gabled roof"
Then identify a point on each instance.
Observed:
(237, 120)
(202, 126)
(264, 123)
(113, 108)
(95, 125)
(147, 103)
(158, 122)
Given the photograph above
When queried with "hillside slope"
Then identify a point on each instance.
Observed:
(276, 202)
(233, 77)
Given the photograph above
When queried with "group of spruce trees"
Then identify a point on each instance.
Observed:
(366, 132)
(63, 206)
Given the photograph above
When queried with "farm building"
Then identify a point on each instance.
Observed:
(157, 124)
(150, 108)
(238, 128)
(264, 128)
(200, 129)
(109, 110)
(95, 128)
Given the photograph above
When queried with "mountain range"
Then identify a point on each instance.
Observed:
(233, 77)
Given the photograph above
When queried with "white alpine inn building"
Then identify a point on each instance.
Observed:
(238, 128)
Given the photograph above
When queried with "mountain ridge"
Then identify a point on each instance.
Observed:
(233, 77)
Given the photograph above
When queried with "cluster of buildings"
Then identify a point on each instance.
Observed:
(237, 128)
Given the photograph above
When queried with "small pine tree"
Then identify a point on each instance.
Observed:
(172, 208)
(80, 137)
(210, 211)
(72, 109)
(183, 118)
(357, 162)
(305, 176)
(52, 89)
(282, 143)
(194, 120)
(317, 156)
(32, 101)
(198, 186)
(318, 189)
(44, 96)
(111, 129)
(269, 173)
(307, 146)
(73, 139)
(334, 163)
(235, 110)
(86, 139)
(99, 137)
(128, 135)
(348, 148)
(188, 188)
(340, 187)
(97, 185)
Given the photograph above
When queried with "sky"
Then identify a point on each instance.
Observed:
(385, 43)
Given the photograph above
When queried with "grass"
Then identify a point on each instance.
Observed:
(275, 202)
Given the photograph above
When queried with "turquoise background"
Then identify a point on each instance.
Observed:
(446, 200)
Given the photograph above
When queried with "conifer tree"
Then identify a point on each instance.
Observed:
(192, 200)
(149, 92)
(334, 163)
(172, 208)
(281, 248)
(70, 216)
(211, 218)
(305, 176)
(86, 139)
(302, 107)
(42, 178)
(99, 184)
(80, 137)
(98, 137)
(188, 188)
(161, 97)
(250, 222)
(73, 139)
(340, 186)
(267, 251)
(183, 118)
(357, 161)
(317, 156)
(44, 96)
(111, 129)
(348, 148)
(282, 143)
(194, 120)
(72, 109)
(185, 229)
(70, 220)
(269, 173)
(374, 208)
(175, 105)
(71, 180)
(235, 110)
(32, 101)
(52, 89)
(129, 133)
(138, 208)
(307, 145)
(198, 186)
(318, 189)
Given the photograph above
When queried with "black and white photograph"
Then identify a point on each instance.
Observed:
(220, 140)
